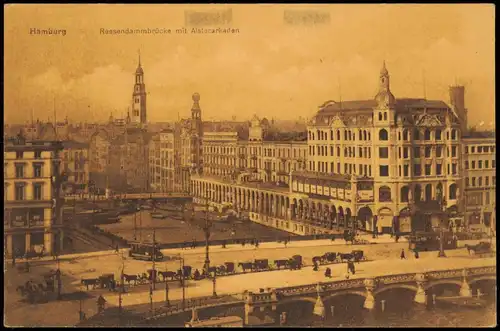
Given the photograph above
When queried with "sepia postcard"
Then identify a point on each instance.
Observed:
(249, 165)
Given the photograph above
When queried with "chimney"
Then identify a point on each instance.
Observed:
(457, 101)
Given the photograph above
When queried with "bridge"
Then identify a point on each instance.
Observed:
(267, 305)
(422, 284)
(128, 197)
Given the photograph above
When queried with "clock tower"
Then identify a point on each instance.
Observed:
(138, 115)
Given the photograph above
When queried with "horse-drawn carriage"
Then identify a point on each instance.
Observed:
(39, 292)
(295, 262)
(482, 248)
(332, 257)
(326, 258)
(185, 273)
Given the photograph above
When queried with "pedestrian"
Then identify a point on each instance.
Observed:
(333, 237)
(256, 244)
(403, 254)
(416, 253)
(328, 273)
(397, 238)
(352, 268)
(101, 302)
(243, 243)
(316, 267)
(116, 249)
(196, 274)
(224, 244)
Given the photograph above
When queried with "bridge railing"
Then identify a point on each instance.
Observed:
(379, 280)
(178, 307)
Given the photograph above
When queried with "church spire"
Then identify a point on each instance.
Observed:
(139, 58)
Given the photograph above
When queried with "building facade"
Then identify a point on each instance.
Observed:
(188, 155)
(382, 164)
(161, 162)
(32, 197)
(75, 164)
(479, 152)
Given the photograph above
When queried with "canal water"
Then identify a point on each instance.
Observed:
(401, 314)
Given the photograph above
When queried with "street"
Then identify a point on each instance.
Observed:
(235, 284)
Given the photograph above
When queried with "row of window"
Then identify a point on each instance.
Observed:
(383, 135)
(20, 191)
(349, 168)
(20, 170)
(383, 151)
(348, 151)
(363, 169)
(472, 181)
(480, 149)
(20, 154)
(480, 164)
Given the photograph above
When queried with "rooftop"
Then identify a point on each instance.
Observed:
(74, 144)
(285, 136)
(479, 134)
(402, 104)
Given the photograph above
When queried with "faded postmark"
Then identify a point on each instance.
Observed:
(208, 18)
(306, 17)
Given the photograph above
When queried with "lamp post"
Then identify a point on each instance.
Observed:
(214, 293)
(206, 229)
(167, 301)
(153, 276)
(441, 230)
(58, 275)
(120, 290)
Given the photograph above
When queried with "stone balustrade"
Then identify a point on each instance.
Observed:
(371, 287)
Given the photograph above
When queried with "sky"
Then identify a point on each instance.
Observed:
(272, 67)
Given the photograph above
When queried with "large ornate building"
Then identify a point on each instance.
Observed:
(387, 163)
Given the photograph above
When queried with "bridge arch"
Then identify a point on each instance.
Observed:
(432, 284)
(486, 277)
(340, 293)
(395, 286)
(297, 299)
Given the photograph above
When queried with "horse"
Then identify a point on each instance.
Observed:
(245, 266)
(345, 256)
(129, 278)
(90, 281)
(166, 274)
(317, 259)
(280, 263)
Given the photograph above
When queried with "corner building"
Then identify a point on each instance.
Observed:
(384, 163)
(33, 197)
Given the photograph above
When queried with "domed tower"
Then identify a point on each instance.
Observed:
(385, 158)
(385, 110)
(139, 96)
